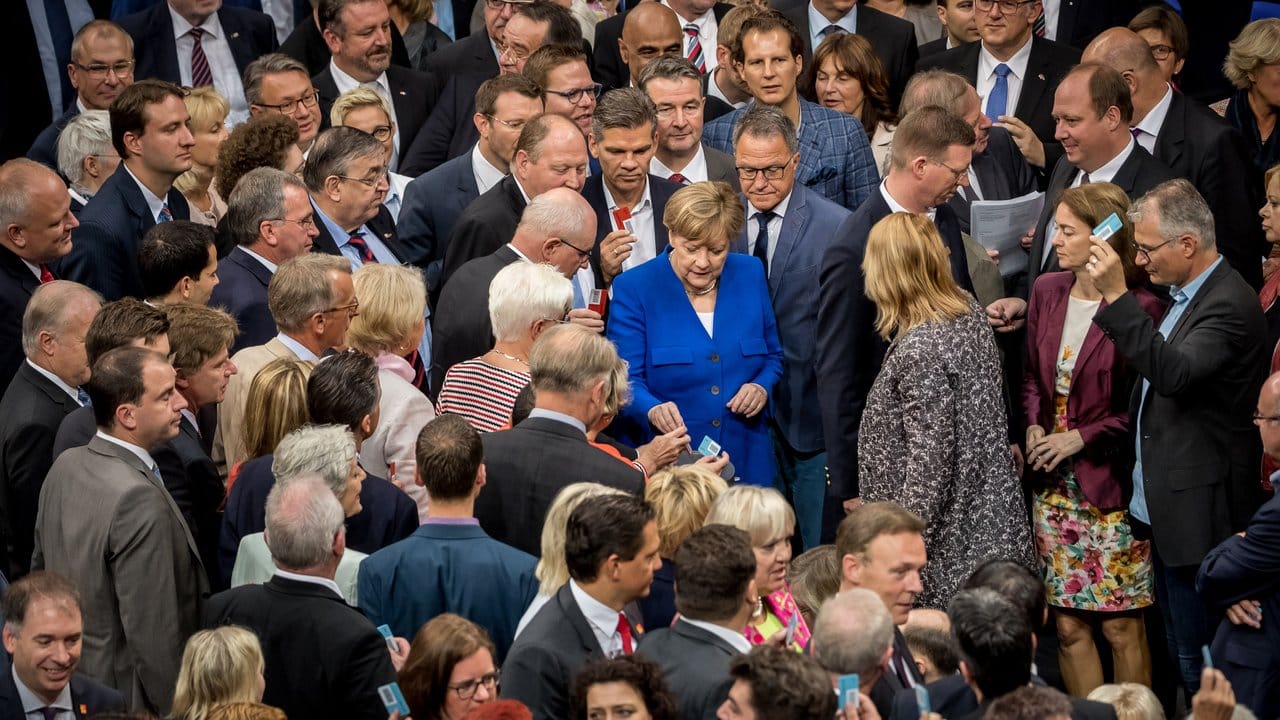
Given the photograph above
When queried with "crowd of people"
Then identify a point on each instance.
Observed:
(367, 359)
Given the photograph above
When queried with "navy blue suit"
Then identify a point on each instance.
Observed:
(45, 148)
(673, 360)
(449, 131)
(432, 204)
(660, 191)
(104, 249)
(249, 33)
(447, 568)
(242, 291)
(88, 697)
(17, 283)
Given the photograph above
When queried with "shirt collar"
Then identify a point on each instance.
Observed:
(645, 201)
(142, 454)
(1017, 64)
(603, 617)
(695, 171)
(211, 25)
(520, 187)
(486, 174)
(34, 268)
(314, 580)
(80, 195)
(560, 417)
(895, 206)
(780, 210)
(451, 521)
(340, 234)
(700, 21)
(1154, 120)
(818, 22)
(191, 418)
(265, 262)
(56, 381)
(32, 704)
(154, 202)
(1189, 290)
(1108, 171)
(297, 348)
(345, 82)
(736, 639)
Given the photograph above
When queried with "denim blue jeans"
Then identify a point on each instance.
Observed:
(1188, 626)
(802, 478)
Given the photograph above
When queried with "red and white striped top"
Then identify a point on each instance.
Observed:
(482, 393)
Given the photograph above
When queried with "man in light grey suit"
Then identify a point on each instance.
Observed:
(106, 520)
(789, 227)
(675, 87)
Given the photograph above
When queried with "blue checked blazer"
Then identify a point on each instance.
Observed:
(835, 155)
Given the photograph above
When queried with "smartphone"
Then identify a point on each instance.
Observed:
(847, 696)
(393, 699)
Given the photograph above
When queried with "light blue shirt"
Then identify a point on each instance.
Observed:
(80, 14)
(559, 417)
(342, 238)
(1182, 297)
(444, 19)
(297, 348)
(818, 23)
(31, 704)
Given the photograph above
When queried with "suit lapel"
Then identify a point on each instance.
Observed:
(969, 64)
(384, 226)
(1034, 84)
(810, 148)
(1050, 324)
(793, 228)
(1092, 340)
(55, 394)
(1173, 134)
(237, 38)
(1205, 290)
(578, 621)
(1127, 175)
(251, 266)
(324, 242)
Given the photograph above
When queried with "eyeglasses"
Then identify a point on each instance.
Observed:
(467, 690)
(513, 124)
(371, 182)
(1161, 52)
(957, 173)
(290, 107)
(505, 50)
(100, 71)
(1145, 253)
(692, 107)
(305, 223)
(580, 251)
(498, 4)
(351, 310)
(576, 94)
(773, 172)
(381, 133)
(1006, 6)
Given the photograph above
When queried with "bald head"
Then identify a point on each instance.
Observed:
(35, 212)
(1122, 49)
(649, 31)
(54, 326)
(1268, 420)
(552, 225)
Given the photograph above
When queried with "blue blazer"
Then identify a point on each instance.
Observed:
(242, 291)
(835, 155)
(673, 360)
(250, 35)
(809, 226)
(104, 249)
(443, 568)
(432, 204)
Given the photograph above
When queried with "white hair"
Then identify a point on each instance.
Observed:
(523, 293)
(88, 133)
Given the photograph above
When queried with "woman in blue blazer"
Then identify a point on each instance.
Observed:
(697, 328)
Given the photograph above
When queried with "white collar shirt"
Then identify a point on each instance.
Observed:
(485, 173)
(1017, 73)
(602, 619)
(222, 64)
(645, 247)
(312, 579)
(695, 171)
(56, 381)
(154, 202)
(818, 22)
(895, 206)
(142, 454)
(775, 227)
(1153, 122)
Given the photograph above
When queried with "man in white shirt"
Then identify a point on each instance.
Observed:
(701, 31)
(675, 88)
(192, 28)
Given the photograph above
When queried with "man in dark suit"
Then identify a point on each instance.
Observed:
(929, 161)
(551, 153)
(477, 53)
(101, 66)
(611, 551)
(149, 131)
(358, 35)
(715, 577)
(433, 202)
(1099, 148)
(854, 634)
(347, 663)
(1196, 144)
(42, 629)
(1195, 479)
(1079, 21)
(449, 565)
(191, 44)
(277, 83)
(306, 44)
(528, 464)
(1015, 73)
(178, 263)
(648, 32)
(892, 39)
(699, 19)
(959, 23)
(271, 219)
(675, 87)
(346, 174)
(45, 389)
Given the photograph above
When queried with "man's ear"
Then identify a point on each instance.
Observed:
(851, 569)
(366, 427)
(482, 477)
(624, 52)
(331, 40)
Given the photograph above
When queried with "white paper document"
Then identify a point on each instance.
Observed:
(1000, 225)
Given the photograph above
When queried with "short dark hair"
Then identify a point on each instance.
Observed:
(449, 454)
(562, 28)
(1165, 19)
(714, 566)
(549, 57)
(129, 109)
(765, 22)
(1107, 89)
(934, 644)
(994, 640)
(329, 13)
(1016, 583)
(871, 520)
(605, 526)
(121, 323)
(1029, 703)
(495, 87)
(334, 151)
(117, 379)
(784, 684)
(642, 675)
(171, 251)
(34, 586)
(343, 389)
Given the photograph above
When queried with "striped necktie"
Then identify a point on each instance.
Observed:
(201, 75)
(694, 55)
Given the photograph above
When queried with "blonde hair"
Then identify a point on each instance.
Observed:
(393, 300)
(246, 711)
(908, 275)
(205, 106)
(704, 211)
(1257, 44)
(354, 99)
(552, 572)
(276, 406)
(682, 497)
(415, 10)
(218, 666)
(617, 389)
(1131, 701)
(759, 511)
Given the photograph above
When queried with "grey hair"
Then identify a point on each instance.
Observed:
(524, 293)
(301, 288)
(851, 632)
(50, 309)
(88, 133)
(269, 64)
(943, 88)
(628, 108)
(569, 359)
(16, 179)
(668, 67)
(97, 29)
(1178, 209)
(763, 121)
(553, 215)
(334, 151)
(303, 518)
(258, 196)
(320, 451)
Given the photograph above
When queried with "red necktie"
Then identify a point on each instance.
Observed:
(200, 73)
(694, 55)
(624, 629)
(678, 178)
(419, 371)
(45, 275)
(362, 247)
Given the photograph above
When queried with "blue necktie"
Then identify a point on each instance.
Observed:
(998, 100)
(579, 299)
(55, 12)
(164, 216)
(83, 397)
(762, 240)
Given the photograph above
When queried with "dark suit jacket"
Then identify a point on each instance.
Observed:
(388, 515)
(1199, 451)
(346, 658)
(412, 95)
(660, 191)
(472, 55)
(487, 224)
(17, 283)
(75, 430)
(104, 249)
(889, 686)
(306, 45)
(45, 148)
(86, 693)
(546, 656)
(1139, 173)
(849, 350)
(30, 413)
(199, 497)
(461, 329)
(696, 664)
(382, 225)
(250, 34)
(1048, 63)
(1245, 568)
(449, 131)
(527, 465)
(242, 291)
(1003, 174)
(1199, 145)
(933, 47)
(610, 71)
(446, 568)
(893, 39)
(21, 122)
(1080, 21)
(431, 207)
(949, 696)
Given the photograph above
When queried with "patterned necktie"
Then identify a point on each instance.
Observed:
(624, 629)
(82, 396)
(164, 214)
(46, 276)
(762, 240)
(998, 99)
(357, 241)
(200, 73)
(419, 371)
(678, 178)
(1136, 132)
(49, 713)
(830, 30)
(1084, 178)
(1039, 27)
(694, 54)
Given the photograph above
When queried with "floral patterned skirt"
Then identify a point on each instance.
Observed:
(1089, 557)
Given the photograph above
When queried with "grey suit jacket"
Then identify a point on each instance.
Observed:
(696, 664)
(107, 521)
(720, 166)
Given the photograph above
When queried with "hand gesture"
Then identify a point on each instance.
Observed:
(666, 417)
(1025, 138)
(663, 449)
(589, 319)
(1105, 269)
(749, 400)
(615, 248)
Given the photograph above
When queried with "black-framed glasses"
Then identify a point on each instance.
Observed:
(289, 107)
(305, 223)
(516, 125)
(1006, 6)
(467, 690)
(580, 251)
(574, 96)
(1145, 252)
(371, 182)
(773, 172)
(100, 71)
(351, 310)
(1161, 52)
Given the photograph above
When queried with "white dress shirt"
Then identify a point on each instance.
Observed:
(154, 202)
(1017, 73)
(380, 85)
(485, 173)
(32, 704)
(1103, 174)
(322, 582)
(298, 349)
(708, 29)
(695, 171)
(265, 262)
(645, 247)
(602, 619)
(1154, 121)
(56, 381)
(896, 206)
(775, 227)
(226, 75)
(1052, 11)
(736, 639)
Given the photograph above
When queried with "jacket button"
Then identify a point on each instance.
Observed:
(715, 357)
(715, 389)
(715, 422)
